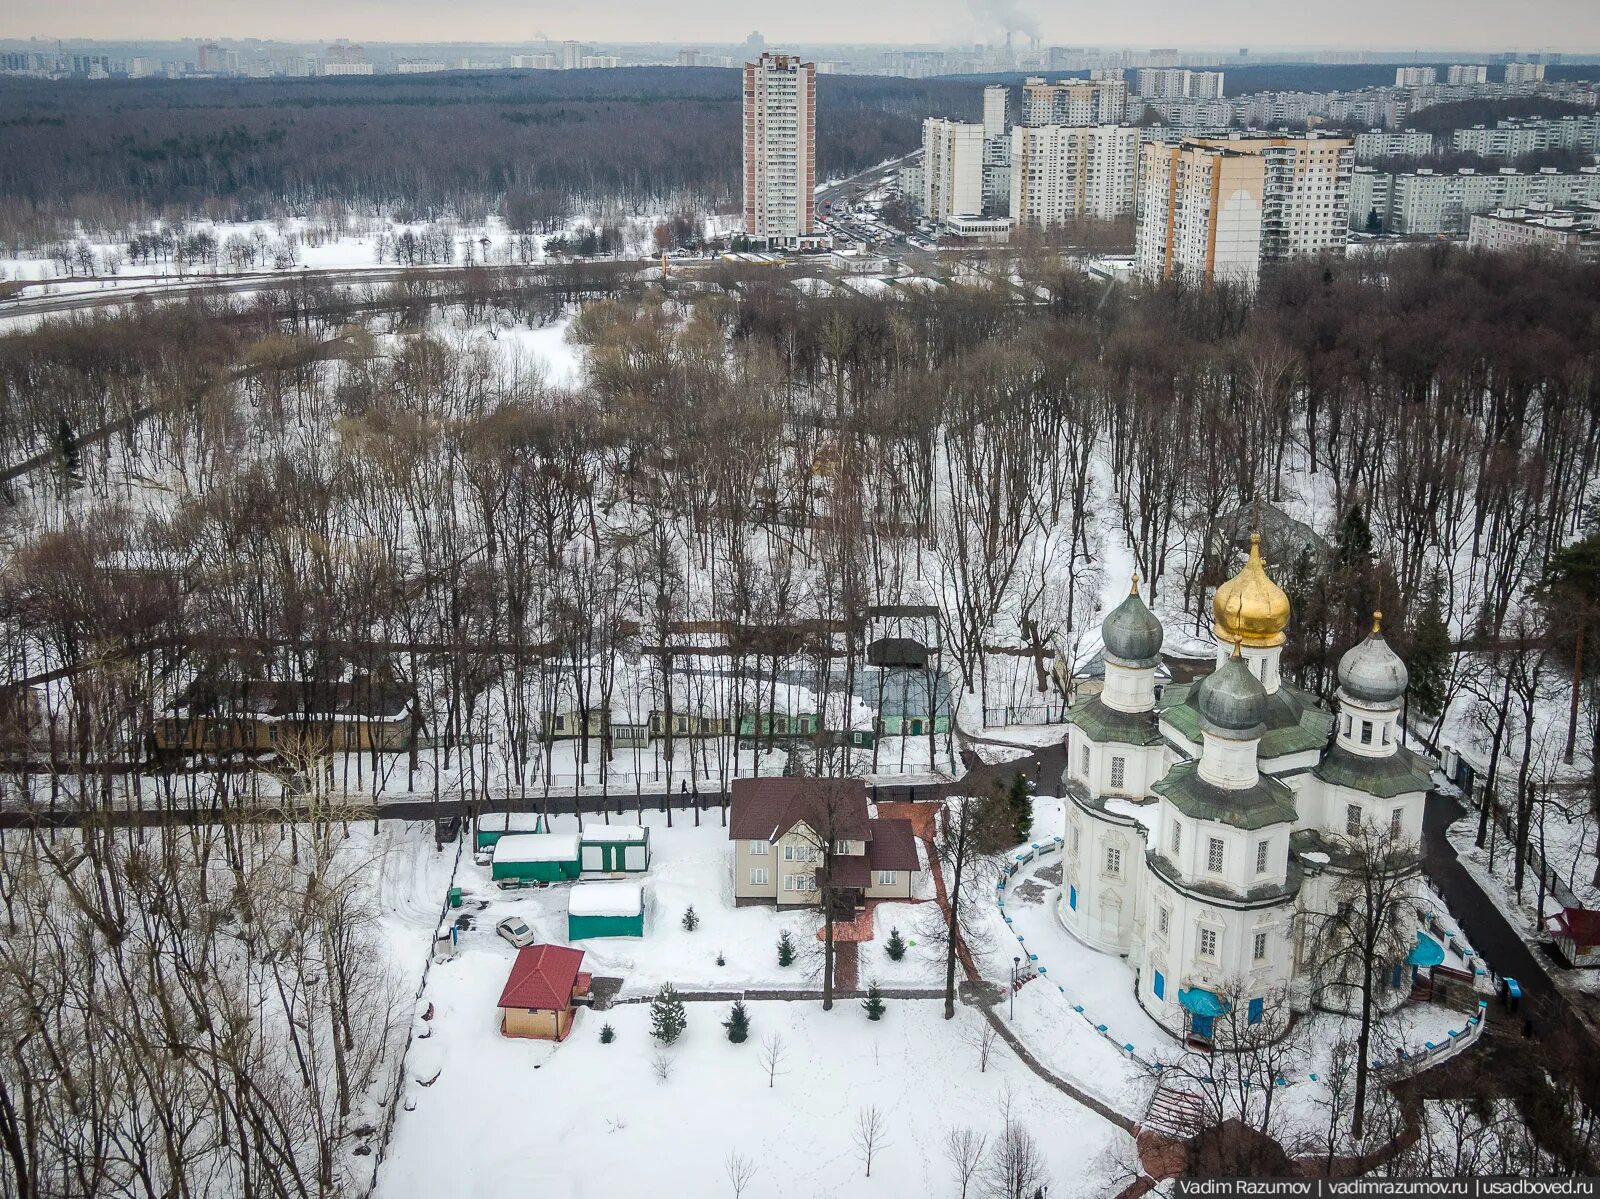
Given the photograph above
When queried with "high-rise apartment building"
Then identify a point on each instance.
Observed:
(1415, 76)
(952, 168)
(1466, 74)
(1074, 101)
(780, 149)
(994, 109)
(1199, 203)
(571, 55)
(1178, 83)
(1524, 72)
(1063, 172)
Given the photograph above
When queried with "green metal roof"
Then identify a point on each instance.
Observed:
(1295, 722)
(1399, 774)
(1102, 724)
(1267, 802)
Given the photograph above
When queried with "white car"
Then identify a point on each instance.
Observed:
(515, 929)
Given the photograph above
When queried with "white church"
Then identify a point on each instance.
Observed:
(1204, 827)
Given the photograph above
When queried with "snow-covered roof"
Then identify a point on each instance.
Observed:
(613, 832)
(606, 899)
(537, 847)
(508, 822)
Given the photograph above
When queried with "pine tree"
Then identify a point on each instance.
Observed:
(691, 921)
(1353, 539)
(737, 1023)
(1020, 800)
(70, 457)
(896, 945)
(872, 1005)
(607, 1034)
(668, 1018)
(785, 949)
(1430, 655)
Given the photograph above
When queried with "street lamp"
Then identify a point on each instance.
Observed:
(1016, 967)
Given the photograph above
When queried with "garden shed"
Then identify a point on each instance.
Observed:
(616, 849)
(544, 983)
(535, 858)
(605, 910)
(494, 825)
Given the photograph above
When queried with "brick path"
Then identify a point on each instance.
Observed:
(846, 965)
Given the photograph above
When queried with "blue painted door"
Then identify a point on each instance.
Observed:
(1257, 1006)
(1159, 985)
(1072, 898)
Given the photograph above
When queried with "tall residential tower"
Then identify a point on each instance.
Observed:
(780, 149)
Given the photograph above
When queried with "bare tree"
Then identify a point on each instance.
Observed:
(661, 1066)
(869, 1135)
(968, 839)
(963, 1149)
(1015, 1168)
(772, 1055)
(740, 1170)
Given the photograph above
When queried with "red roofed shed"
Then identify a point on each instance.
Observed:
(1577, 935)
(537, 1000)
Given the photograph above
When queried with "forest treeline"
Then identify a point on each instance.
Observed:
(117, 153)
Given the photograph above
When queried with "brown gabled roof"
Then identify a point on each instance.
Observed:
(765, 809)
(542, 978)
(847, 870)
(893, 846)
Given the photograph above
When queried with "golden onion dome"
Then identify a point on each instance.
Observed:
(1250, 609)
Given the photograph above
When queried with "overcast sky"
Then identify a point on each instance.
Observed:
(1488, 24)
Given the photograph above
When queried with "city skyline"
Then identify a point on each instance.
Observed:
(1420, 24)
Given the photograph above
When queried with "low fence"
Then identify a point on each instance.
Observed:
(1021, 714)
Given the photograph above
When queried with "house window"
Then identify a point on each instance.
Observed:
(793, 882)
(1208, 942)
(788, 853)
(1352, 820)
(1397, 820)
(1113, 860)
(1348, 725)
(1384, 728)
(1177, 836)
(760, 849)
(1158, 984)
(1077, 836)
(1083, 768)
(1256, 1009)
(758, 876)
(1261, 856)
(1366, 732)
(1258, 948)
(886, 878)
(841, 847)
(1119, 771)
(1163, 921)
(1214, 855)
(680, 724)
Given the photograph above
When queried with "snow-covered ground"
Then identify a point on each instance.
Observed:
(584, 1118)
(689, 866)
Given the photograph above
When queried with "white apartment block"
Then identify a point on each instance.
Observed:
(1178, 83)
(1380, 143)
(590, 62)
(1574, 233)
(1415, 76)
(1430, 203)
(1074, 101)
(1524, 72)
(1306, 204)
(1200, 213)
(534, 62)
(1467, 74)
(347, 68)
(994, 110)
(952, 168)
(1512, 139)
(1061, 173)
(571, 55)
(780, 149)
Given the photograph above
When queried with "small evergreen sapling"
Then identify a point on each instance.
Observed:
(668, 1018)
(721, 961)
(737, 1023)
(607, 1034)
(1020, 801)
(785, 949)
(896, 946)
(691, 919)
(872, 1005)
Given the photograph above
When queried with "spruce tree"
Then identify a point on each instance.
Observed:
(607, 1034)
(668, 1018)
(1429, 666)
(872, 1005)
(785, 949)
(1020, 801)
(737, 1023)
(69, 456)
(896, 946)
(691, 920)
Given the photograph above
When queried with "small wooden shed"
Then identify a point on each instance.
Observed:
(537, 1000)
(494, 825)
(605, 910)
(615, 849)
(536, 858)
(1577, 935)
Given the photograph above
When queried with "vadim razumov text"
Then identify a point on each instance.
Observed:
(1361, 1188)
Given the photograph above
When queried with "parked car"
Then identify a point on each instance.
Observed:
(515, 929)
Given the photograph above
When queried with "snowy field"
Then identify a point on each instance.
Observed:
(688, 865)
(586, 1119)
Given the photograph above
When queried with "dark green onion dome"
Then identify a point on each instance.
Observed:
(1371, 672)
(1231, 700)
(1131, 633)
